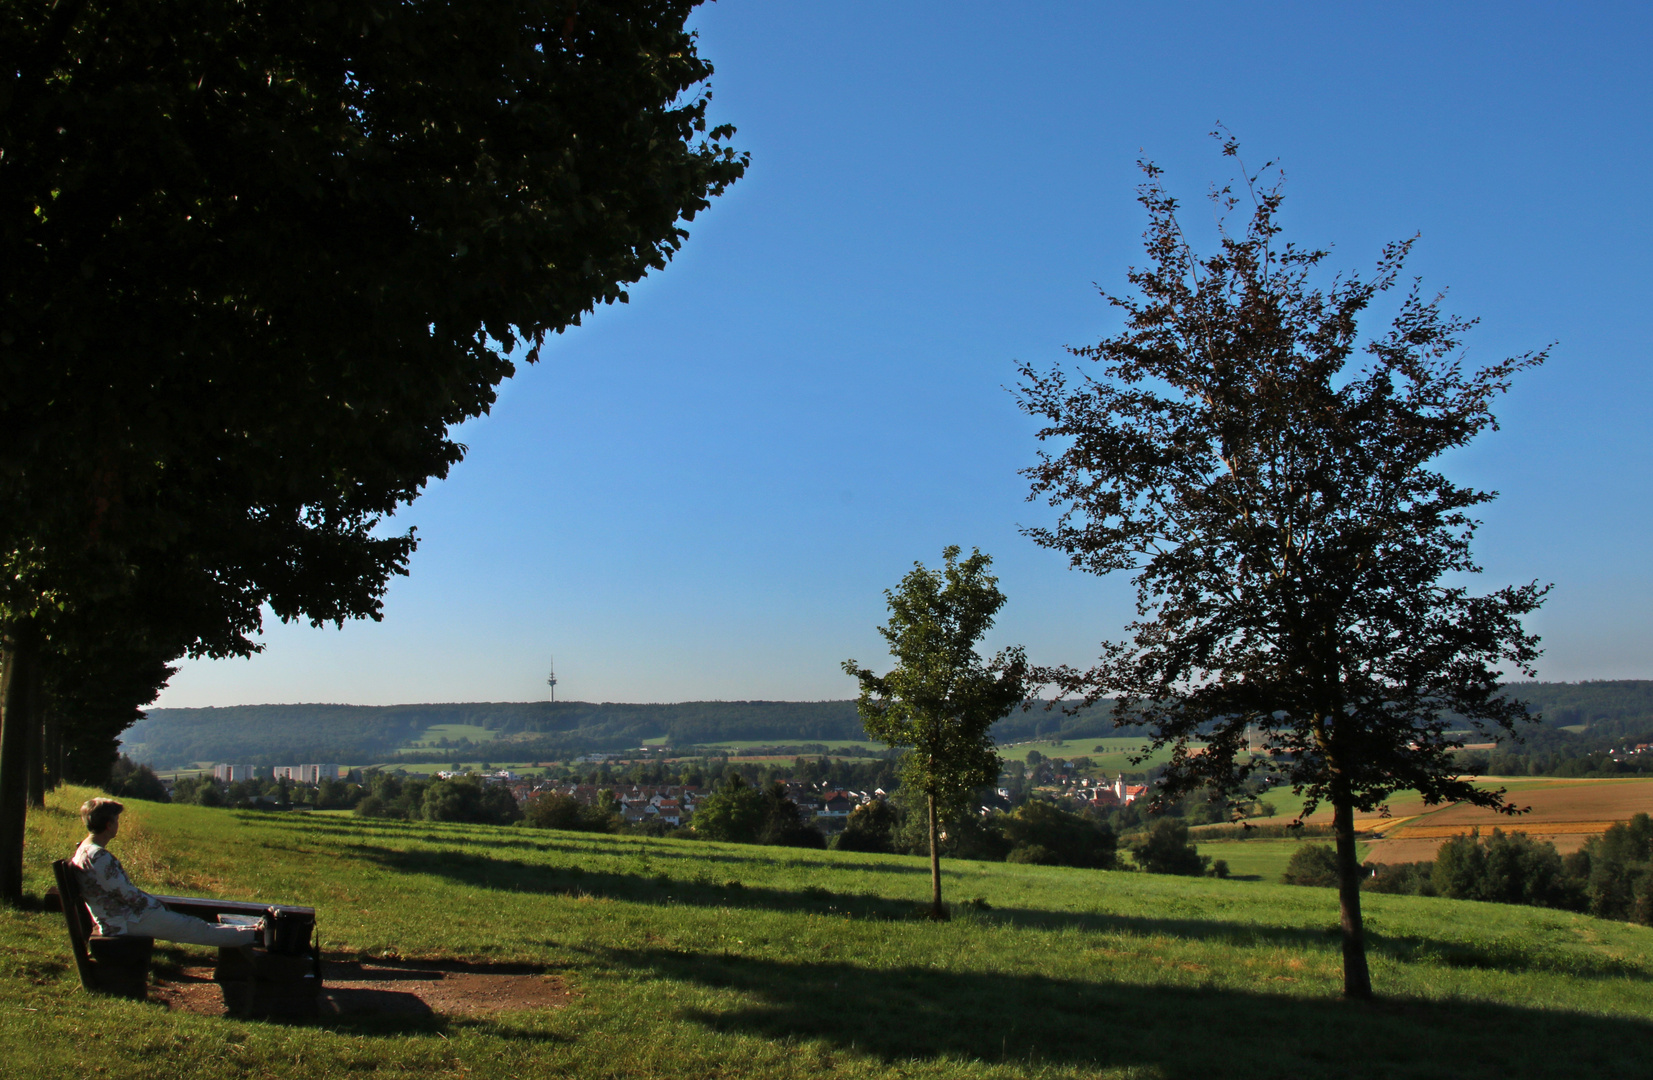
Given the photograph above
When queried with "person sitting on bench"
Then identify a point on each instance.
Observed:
(120, 907)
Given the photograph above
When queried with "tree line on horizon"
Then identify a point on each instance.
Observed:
(1610, 712)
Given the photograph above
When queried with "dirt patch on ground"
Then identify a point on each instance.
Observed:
(390, 988)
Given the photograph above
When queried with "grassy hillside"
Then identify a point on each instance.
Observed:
(686, 959)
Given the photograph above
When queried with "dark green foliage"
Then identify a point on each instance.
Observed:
(554, 810)
(871, 828)
(468, 800)
(784, 824)
(1506, 868)
(335, 794)
(278, 734)
(736, 812)
(1165, 850)
(1611, 877)
(131, 781)
(257, 261)
(940, 700)
(1269, 474)
(388, 796)
(1312, 864)
(1411, 879)
(1040, 832)
(1616, 871)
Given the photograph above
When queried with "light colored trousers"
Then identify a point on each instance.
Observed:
(168, 925)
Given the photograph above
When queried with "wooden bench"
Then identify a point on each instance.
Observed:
(107, 965)
(266, 984)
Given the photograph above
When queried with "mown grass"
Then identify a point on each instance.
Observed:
(694, 959)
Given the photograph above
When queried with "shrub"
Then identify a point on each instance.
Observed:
(1065, 839)
(553, 810)
(735, 812)
(1312, 864)
(1035, 854)
(1409, 879)
(1614, 871)
(1507, 868)
(1166, 850)
(870, 828)
(131, 781)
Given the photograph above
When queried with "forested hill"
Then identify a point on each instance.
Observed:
(354, 734)
(277, 734)
(272, 734)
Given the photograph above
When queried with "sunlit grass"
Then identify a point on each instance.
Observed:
(688, 959)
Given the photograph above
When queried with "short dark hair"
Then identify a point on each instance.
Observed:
(100, 813)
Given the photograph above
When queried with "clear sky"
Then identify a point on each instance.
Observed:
(703, 493)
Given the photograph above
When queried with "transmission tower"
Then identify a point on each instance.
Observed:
(552, 680)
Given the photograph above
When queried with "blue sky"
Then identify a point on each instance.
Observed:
(702, 494)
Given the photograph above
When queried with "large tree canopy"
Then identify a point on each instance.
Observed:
(257, 259)
(1268, 474)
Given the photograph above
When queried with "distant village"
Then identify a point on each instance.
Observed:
(674, 804)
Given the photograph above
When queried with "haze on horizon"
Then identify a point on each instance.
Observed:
(702, 495)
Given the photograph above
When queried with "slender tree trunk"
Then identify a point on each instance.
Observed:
(936, 910)
(1357, 980)
(54, 749)
(17, 713)
(37, 746)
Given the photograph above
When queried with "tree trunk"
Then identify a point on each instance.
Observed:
(936, 910)
(54, 749)
(1357, 980)
(37, 747)
(17, 669)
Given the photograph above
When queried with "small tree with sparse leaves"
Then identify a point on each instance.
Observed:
(940, 699)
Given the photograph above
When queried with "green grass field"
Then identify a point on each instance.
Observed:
(426, 768)
(1114, 755)
(835, 747)
(473, 732)
(686, 959)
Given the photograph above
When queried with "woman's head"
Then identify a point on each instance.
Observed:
(99, 814)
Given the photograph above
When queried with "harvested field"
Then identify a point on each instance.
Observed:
(1564, 812)
(1423, 848)
(1579, 804)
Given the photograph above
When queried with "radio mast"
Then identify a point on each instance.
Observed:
(552, 681)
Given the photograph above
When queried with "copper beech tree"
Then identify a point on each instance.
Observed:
(1267, 472)
(940, 699)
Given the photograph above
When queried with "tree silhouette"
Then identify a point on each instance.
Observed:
(1267, 474)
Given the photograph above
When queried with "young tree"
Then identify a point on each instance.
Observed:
(940, 699)
(1298, 559)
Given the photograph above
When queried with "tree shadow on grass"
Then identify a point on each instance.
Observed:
(597, 844)
(654, 887)
(905, 1013)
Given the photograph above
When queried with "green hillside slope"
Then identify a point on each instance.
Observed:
(685, 959)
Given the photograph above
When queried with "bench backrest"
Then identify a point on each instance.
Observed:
(78, 919)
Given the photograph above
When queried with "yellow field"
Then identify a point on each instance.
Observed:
(1565, 812)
